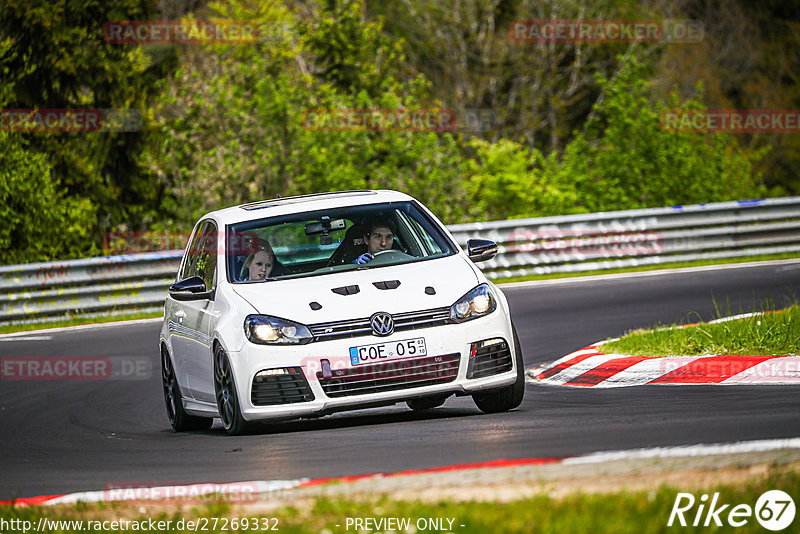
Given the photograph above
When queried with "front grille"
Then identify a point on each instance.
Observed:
(286, 388)
(359, 327)
(389, 376)
(487, 358)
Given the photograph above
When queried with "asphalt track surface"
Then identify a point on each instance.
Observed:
(66, 436)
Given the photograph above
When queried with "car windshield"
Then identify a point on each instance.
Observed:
(334, 240)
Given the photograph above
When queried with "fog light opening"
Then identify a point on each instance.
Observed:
(262, 375)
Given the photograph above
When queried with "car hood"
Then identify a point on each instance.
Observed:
(450, 277)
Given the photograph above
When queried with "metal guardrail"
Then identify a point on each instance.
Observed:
(570, 243)
(631, 238)
(54, 290)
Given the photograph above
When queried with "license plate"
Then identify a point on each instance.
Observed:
(406, 348)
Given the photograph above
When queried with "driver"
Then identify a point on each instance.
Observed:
(379, 237)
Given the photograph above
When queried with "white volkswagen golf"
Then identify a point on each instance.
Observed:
(305, 306)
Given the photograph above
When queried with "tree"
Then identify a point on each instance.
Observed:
(236, 126)
(38, 222)
(56, 56)
(537, 92)
(747, 60)
(625, 159)
(510, 181)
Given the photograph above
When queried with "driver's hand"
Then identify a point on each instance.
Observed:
(364, 258)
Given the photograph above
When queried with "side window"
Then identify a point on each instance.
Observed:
(206, 264)
(201, 260)
(192, 252)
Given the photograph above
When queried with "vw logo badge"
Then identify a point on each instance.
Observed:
(382, 324)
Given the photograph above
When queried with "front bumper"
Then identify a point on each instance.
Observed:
(318, 378)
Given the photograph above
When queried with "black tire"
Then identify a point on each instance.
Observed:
(230, 412)
(426, 403)
(178, 418)
(509, 397)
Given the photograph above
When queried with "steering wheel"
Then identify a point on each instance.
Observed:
(389, 255)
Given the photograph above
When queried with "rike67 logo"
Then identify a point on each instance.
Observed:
(774, 510)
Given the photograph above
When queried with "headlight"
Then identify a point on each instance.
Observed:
(268, 330)
(476, 303)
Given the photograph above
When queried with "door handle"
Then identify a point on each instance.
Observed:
(180, 315)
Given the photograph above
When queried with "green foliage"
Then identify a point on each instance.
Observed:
(508, 181)
(236, 127)
(350, 52)
(539, 92)
(55, 56)
(624, 159)
(38, 221)
(577, 124)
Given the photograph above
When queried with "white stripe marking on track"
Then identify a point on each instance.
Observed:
(687, 451)
(563, 359)
(636, 375)
(654, 272)
(581, 367)
(188, 491)
(783, 370)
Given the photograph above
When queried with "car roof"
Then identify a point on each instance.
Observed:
(298, 204)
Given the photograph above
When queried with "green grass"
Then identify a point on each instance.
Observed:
(644, 268)
(764, 334)
(77, 321)
(640, 512)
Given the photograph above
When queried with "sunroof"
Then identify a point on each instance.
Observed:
(302, 198)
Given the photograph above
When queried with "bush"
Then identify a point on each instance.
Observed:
(37, 221)
(508, 181)
(624, 159)
(233, 129)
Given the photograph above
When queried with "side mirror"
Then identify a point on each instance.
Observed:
(481, 249)
(193, 288)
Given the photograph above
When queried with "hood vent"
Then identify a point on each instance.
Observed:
(387, 284)
(346, 290)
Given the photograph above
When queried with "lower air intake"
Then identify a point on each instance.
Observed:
(389, 376)
(489, 357)
(280, 386)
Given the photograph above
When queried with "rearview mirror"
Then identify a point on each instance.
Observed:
(324, 226)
